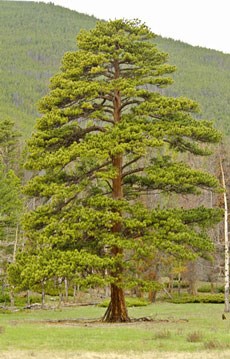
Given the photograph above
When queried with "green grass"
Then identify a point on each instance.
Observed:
(173, 325)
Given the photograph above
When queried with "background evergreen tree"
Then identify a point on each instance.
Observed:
(10, 194)
(106, 138)
(9, 145)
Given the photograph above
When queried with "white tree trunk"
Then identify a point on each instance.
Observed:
(15, 242)
(226, 244)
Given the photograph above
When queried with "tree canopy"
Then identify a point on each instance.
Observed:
(106, 138)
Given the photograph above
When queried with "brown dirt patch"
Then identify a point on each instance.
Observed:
(99, 322)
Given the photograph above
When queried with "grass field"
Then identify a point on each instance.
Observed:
(176, 331)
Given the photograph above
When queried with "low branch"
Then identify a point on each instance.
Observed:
(134, 102)
(136, 170)
(131, 162)
(92, 129)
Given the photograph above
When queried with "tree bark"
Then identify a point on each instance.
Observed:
(116, 311)
(152, 296)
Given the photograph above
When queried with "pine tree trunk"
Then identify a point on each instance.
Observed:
(152, 296)
(116, 311)
(192, 278)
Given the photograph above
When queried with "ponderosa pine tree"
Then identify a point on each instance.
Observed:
(106, 136)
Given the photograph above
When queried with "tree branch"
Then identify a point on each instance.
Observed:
(140, 169)
(131, 162)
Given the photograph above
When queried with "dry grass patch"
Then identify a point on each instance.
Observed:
(214, 344)
(195, 337)
(91, 355)
(163, 334)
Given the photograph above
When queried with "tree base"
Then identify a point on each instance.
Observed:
(116, 311)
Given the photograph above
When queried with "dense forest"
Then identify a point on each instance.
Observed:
(36, 37)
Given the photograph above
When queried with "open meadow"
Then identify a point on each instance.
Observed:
(174, 331)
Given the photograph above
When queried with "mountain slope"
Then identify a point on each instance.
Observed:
(36, 35)
(203, 75)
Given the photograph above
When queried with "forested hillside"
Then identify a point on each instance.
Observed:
(202, 75)
(36, 35)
